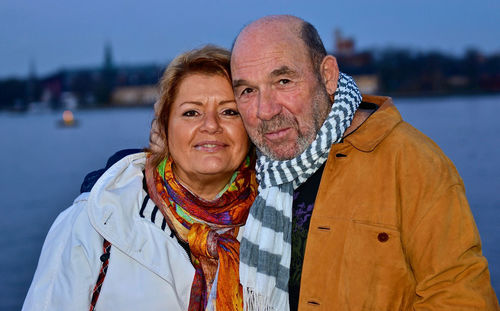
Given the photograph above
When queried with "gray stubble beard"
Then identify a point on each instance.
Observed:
(319, 115)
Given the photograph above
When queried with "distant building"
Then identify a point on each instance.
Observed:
(343, 46)
(360, 66)
(108, 57)
(109, 84)
(135, 95)
(367, 84)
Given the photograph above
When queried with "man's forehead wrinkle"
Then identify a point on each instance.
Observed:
(251, 60)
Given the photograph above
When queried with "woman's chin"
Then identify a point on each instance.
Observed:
(214, 166)
(214, 170)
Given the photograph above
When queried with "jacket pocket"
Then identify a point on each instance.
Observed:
(375, 274)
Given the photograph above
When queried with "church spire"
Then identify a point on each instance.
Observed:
(108, 57)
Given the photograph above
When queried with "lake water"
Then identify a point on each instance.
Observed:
(43, 165)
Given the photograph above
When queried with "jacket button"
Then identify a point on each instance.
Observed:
(383, 237)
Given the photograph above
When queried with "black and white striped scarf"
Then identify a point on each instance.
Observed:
(265, 249)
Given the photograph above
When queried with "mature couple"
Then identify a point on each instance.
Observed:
(342, 202)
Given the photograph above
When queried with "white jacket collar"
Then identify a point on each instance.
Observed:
(113, 208)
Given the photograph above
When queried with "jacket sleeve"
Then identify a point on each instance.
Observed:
(64, 279)
(444, 250)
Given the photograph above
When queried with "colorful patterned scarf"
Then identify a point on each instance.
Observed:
(210, 228)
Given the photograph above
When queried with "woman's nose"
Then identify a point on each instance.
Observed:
(211, 122)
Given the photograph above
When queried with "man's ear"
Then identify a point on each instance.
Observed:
(330, 73)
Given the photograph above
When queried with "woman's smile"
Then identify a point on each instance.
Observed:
(210, 146)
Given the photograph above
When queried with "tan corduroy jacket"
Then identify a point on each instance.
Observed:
(391, 227)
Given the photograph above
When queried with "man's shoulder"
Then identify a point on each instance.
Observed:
(391, 139)
(409, 138)
(415, 152)
(386, 126)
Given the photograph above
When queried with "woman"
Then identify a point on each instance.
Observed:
(159, 230)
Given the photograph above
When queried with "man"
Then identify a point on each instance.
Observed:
(357, 210)
(390, 227)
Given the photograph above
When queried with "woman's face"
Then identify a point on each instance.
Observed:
(206, 138)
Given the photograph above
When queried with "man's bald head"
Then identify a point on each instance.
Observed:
(285, 26)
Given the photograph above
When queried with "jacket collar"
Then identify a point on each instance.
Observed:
(376, 127)
(113, 209)
(112, 201)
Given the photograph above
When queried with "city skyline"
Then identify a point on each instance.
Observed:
(51, 35)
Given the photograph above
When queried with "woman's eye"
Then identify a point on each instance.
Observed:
(190, 113)
(231, 112)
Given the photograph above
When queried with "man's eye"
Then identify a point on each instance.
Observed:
(231, 112)
(246, 91)
(190, 113)
(284, 81)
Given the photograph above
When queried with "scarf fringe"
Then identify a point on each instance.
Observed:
(253, 301)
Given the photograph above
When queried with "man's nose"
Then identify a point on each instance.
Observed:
(268, 105)
(211, 122)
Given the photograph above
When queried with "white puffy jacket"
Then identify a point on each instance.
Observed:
(148, 269)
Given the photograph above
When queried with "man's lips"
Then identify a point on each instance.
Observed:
(210, 146)
(277, 135)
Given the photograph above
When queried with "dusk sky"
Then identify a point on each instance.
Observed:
(55, 34)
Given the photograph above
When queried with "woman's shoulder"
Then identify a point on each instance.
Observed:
(120, 173)
(115, 201)
(121, 170)
(68, 217)
(114, 189)
(72, 226)
(92, 177)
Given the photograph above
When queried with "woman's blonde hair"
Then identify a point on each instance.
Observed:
(210, 60)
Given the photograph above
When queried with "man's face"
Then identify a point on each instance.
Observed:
(278, 94)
